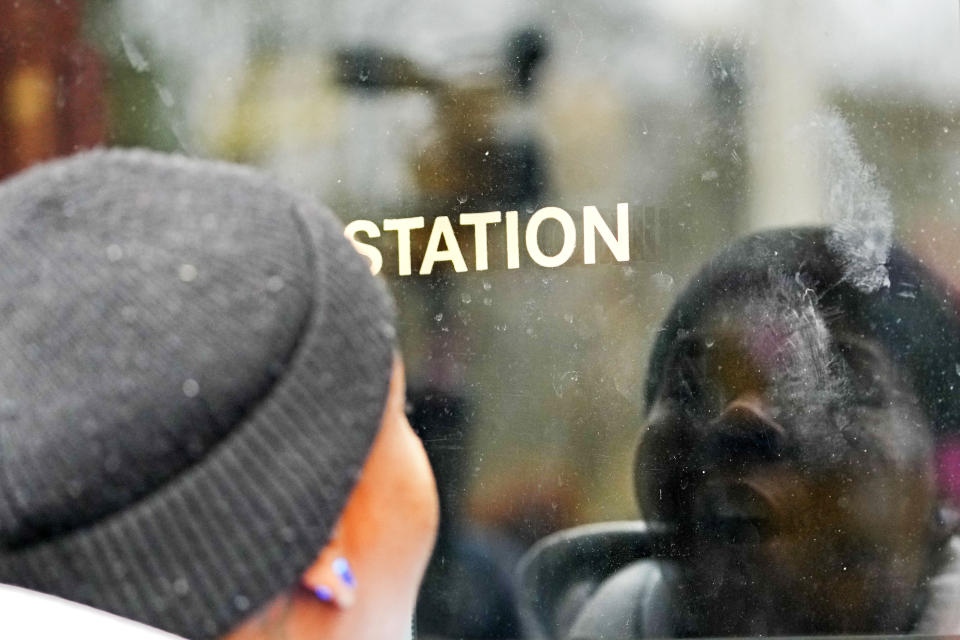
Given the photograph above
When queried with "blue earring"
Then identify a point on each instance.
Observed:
(324, 593)
(340, 594)
(341, 567)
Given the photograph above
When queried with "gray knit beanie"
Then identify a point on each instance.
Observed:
(193, 366)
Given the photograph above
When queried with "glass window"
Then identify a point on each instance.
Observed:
(540, 185)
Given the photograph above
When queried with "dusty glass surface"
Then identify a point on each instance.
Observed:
(538, 183)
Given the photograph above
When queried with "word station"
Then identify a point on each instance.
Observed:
(443, 245)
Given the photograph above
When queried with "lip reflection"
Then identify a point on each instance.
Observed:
(732, 511)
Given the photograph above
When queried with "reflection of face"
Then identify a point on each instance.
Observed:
(801, 495)
(386, 531)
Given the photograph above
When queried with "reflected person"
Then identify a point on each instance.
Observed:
(203, 419)
(792, 416)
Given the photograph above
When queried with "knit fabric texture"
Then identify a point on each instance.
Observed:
(193, 365)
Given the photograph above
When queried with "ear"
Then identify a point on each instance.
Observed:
(331, 577)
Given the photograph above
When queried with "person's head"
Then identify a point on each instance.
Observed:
(202, 419)
(791, 418)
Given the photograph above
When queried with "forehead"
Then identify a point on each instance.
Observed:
(774, 319)
(768, 341)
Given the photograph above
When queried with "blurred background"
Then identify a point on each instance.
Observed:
(525, 384)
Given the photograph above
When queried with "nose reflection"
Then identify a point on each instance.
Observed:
(743, 433)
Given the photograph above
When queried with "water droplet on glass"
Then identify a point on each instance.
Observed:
(438, 317)
(274, 283)
(165, 96)
(112, 463)
(465, 298)
(462, 199)
(241, 602)
(9, 409)
(662, 281)
(564, 381)
(487, 286)
(191, 387)
(134, 57)
(187, 272)
(114, 252)
(75, 488)
(488, 301)
(181, 587)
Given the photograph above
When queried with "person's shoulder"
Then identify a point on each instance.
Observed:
(30, 614)
(635, 602)
(941, 616)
